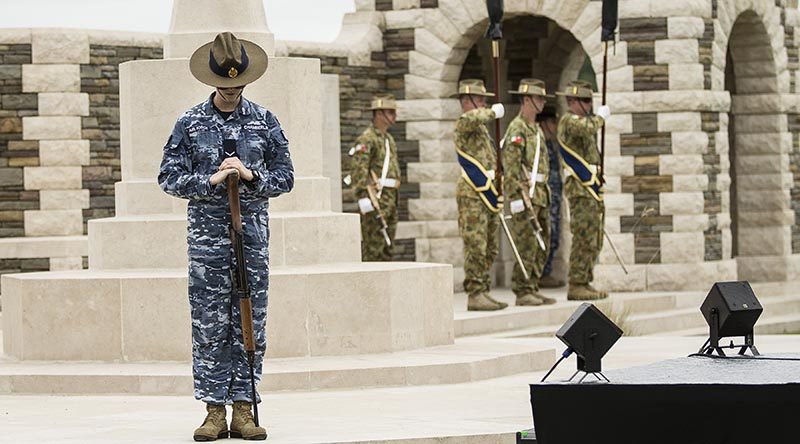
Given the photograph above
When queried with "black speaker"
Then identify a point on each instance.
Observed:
(590, 334)
(736, 305)
(730, 309)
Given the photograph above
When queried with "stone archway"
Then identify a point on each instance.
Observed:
(761, 219)
(442, 46)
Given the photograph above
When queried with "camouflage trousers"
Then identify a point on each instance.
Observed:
(586, 224)
(373, 245)
(531, 253)
(478, 228)
(219, 361)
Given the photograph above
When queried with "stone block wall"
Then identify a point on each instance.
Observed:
(15, 153)
(794, 127)
(59, 140)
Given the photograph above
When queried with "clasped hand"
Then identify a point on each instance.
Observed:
(228, 166)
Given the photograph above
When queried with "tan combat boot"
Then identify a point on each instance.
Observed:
(215, 426)
(583, 293)
(545, 299)
(479, 302)
(528, 300)
(551, 282)
(501, 304)
(243, 425)
(603, 294)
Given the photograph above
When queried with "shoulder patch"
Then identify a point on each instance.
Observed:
(360, 148)
(517, 139)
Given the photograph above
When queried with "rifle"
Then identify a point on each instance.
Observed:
(239, 276)
(496, 10)
(537, 227)
(609, 25)
(372, 191)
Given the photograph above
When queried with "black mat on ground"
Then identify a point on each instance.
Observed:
(692, 400)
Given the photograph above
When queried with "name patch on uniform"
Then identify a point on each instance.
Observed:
(194, 129)
(256, 126)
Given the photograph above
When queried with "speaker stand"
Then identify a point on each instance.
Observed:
(712, 343)
(585, 374)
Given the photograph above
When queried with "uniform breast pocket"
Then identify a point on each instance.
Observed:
(253, 151)
(206, 150)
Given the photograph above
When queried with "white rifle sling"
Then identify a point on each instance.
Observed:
(536, 159)
(385, 170)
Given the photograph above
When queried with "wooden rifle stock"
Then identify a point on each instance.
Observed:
(537, 227)
(372, 191)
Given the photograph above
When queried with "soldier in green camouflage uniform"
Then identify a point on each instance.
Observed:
(370, 166)
(523, 139)
(477, 214)
(577, 134)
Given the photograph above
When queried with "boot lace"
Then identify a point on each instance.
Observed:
(215, 416)
(245, 413)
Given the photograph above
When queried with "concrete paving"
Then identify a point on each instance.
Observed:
(479, 412)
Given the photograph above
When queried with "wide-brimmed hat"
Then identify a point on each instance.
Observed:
(531, 87)
(579, 89)
(228, 62)
(472, 87)
(383, 101)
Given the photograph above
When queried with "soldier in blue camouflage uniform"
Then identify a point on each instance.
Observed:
(194, 167)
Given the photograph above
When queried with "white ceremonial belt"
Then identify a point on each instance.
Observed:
(389, 183)
(540, 178)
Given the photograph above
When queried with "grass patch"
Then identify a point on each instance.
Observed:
(619, 313)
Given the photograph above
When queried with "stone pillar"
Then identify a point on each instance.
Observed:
(196, 22)
(60, 139)
(55, 76)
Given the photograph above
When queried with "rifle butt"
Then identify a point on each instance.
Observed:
(246, 309)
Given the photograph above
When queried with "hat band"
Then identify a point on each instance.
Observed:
(232, 72)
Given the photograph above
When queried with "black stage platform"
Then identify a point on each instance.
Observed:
(692, 400)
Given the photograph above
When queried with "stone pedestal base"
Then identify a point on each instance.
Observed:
(768, 268)
(664, 277)
(143, 315)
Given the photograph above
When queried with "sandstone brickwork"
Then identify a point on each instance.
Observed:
(59, 139)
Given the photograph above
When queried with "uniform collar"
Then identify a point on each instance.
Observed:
(244, 108)
(532, 126)
(377, 131)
